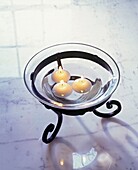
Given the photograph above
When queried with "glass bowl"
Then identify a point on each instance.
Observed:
(81, 61)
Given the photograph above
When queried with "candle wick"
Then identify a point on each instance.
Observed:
(62, 84)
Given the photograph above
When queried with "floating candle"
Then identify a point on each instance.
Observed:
(60, 74)
(62, 89)
(81, 85)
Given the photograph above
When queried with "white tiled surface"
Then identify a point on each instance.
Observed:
(6, 29)
(27, 27)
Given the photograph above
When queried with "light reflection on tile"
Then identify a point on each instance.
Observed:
(111, 151)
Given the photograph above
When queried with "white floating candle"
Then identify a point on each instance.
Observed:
(81, 85)
(60, 74)
(62, 89)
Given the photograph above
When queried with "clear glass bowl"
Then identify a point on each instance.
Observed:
(79, 60)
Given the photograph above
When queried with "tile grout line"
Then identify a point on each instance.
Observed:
(15, 36)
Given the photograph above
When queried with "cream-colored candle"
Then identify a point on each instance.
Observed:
(60, 74)
(62, 89)
(81, 85)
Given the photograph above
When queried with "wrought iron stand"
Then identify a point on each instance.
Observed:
(54, 129)
(42, 65)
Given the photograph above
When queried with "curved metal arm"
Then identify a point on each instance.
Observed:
(51, 127)
(109, 105)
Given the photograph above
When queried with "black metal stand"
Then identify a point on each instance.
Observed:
(87, 52)
(54, 130)
(109, 105)
(51, 127)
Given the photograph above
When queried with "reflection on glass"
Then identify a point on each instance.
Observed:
(82, 160)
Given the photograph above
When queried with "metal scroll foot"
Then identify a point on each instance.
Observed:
(109, 105)
(51, 127)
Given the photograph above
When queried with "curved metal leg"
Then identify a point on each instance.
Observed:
(109, 105)
(51, 127)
